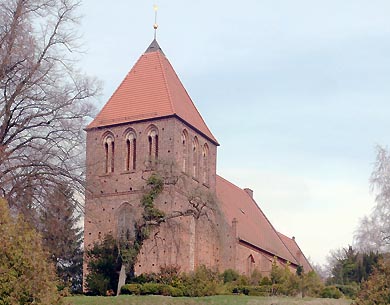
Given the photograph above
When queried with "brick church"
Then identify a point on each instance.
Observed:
(151, 124)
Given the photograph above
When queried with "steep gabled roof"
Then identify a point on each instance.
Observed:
(253, 226)
(296, 252)
(151, 90)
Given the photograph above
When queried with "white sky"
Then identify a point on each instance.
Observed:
(296, 92)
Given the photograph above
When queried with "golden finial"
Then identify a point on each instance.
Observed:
(155, 25)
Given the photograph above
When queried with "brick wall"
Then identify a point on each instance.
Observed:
(183, 241)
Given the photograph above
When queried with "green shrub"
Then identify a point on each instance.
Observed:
(252, 290)
(243, 280)
(202, 282)
(230, 275)
(131, 289)
(262, 291)
(103, 265)
(265, 281)
(98, 284)
(176, 292)
(350, 291)
(240, 290)
(276, 289)
(144, 278)
(169, 275)
(376, 290)
(284, 281)
(168, 290)
(151, 288)
(331, 292)
(255, 278)
(311, 284)
(26, 276)
(206, 282)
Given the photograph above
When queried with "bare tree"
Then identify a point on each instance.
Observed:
(44, 100)
(373, 232)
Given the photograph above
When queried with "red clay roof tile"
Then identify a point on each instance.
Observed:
(252, 225)
(294, 249)
(151, 90)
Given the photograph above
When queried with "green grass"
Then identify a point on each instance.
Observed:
(214, 300)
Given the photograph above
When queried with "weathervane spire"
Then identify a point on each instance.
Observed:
(155, 25)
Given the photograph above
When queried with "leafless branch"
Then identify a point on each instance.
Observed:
(44, 100)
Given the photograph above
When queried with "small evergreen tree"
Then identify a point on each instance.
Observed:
(284, 281)
(369, 262)
(311, 284)
(352, 267)
(103, 266)
(26, 276)
(62, 237)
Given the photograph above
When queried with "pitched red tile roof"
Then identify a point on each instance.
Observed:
(151, 90)
(296, 252)
(253, 226)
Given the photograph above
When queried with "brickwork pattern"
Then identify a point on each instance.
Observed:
(183, 241)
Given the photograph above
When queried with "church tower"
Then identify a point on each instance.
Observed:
(150, 123)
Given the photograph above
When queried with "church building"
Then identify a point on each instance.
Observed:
(150, 124)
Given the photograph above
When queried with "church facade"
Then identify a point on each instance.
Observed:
(150, 124)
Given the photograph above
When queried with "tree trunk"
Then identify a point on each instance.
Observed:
(122, 279)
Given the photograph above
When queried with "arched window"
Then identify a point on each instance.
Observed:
(131, 150)
(250, 264)
(153, 144)
(195, 158)
(205, 165)
(109, 153)
(126, 222)
(184, 141)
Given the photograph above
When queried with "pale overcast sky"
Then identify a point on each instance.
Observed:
(296, 92)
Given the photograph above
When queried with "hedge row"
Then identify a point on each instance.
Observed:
(152, 288)
(206, 282)
(168, 290)
(262, 291)
(334, 292)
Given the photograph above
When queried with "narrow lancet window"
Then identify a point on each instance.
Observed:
(153, 145)
(205, 165)
(195, 158)
(106, 158)
(184, 140)
(156, 146)
(112, 156)
(131, 150)
(109, 153)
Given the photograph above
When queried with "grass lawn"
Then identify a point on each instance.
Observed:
(214, 300)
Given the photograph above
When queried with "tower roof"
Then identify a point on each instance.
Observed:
(151, 90)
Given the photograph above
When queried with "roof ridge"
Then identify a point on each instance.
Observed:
(236, 186)
(190, 99)
(284, 235)
(266, 218)
(303, 254)
(288, 249)
(116, 90)
(273, 228)
(166, 85)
